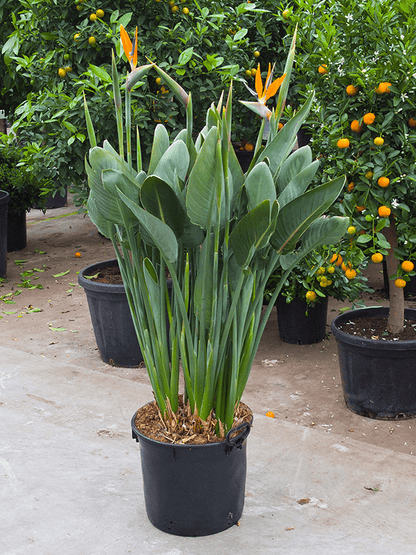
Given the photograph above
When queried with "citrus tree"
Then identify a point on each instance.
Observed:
(56, 51)
(362, 66)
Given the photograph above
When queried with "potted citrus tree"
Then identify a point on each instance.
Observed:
(24, 189)
(218, 233)
(364, 125)
(329, 271)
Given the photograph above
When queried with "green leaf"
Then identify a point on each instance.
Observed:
(61, 274)
(296, 216)
(186, 56)
(295, 163)
(298, 185)
(159, 147)
(101, 73)
(162, 235)
(253, 232)
(260, 186)
(203, 198)
(159, 199)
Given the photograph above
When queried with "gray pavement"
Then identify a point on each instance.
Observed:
(70, 477)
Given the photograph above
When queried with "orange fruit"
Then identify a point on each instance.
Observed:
(407, 266)
(270, 414)
(383, 182)
(350, 186)
(248, 72)
(331, 269)
(99, 13)
(339, 261)
(174, 9)
(77, 36)
(158, 81)
(61, 72)
(322, 69)
(355, 126)
(351, 230)
(377, 257)
(77, 255)
(369, 118)
(412, 123)
(351, 90)
(334, 257)
(93, 17)
(253, 71)
(185, 11)
(360, 208)
(369, 174)
(400, 283)
(249, 147)
(343, 143)
(310, 296)
(256, 54)
(350, 273)
(286, 14)
(379, 141)
(384, 211)
(280, 126)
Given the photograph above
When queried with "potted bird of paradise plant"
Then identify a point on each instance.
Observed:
(219, 234)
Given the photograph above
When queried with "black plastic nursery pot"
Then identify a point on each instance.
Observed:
(16, 231)
(300, 324)
(194, 490)
(4, 201)
(111, 318)
(378, 377)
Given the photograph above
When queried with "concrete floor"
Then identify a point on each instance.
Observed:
(71, 479)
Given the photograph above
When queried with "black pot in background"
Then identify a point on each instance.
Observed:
(4, 201)
(111, 318)
(304, 137)
(295, 326)
(244, 157)
(378, 377)
(194, 490)
(57, 201)
(16, 231)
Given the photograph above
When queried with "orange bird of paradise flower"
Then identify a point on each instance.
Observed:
(130, 48)
(263, 93)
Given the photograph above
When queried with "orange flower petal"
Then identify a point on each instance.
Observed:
(259, 83)
(134, 62)
(274, 87)
(126, 42)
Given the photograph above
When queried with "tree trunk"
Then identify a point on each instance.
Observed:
(396, 312)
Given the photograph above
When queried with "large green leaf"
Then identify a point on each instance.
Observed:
(298, 185)
(253, 231)
(323, 231)
(104, 226)
(206, 184)
(260, 186)
(159, 147)
(161, 234)
(174, 163)
(296, 216)
(114, 180)
(106, 203)
(279, 148)
(159, 199)
(294, 164)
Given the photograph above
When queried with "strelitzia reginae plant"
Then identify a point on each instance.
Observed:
(217, 232)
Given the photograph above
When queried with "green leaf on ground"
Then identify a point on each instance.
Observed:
(61, 274)
(58, 329)
(92, 277)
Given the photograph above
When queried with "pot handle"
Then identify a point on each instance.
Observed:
(239, 434)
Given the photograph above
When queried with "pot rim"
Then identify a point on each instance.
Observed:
(371, 343)
(97, 285)
(136, 433)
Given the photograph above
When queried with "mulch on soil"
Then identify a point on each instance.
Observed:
(377, 328)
